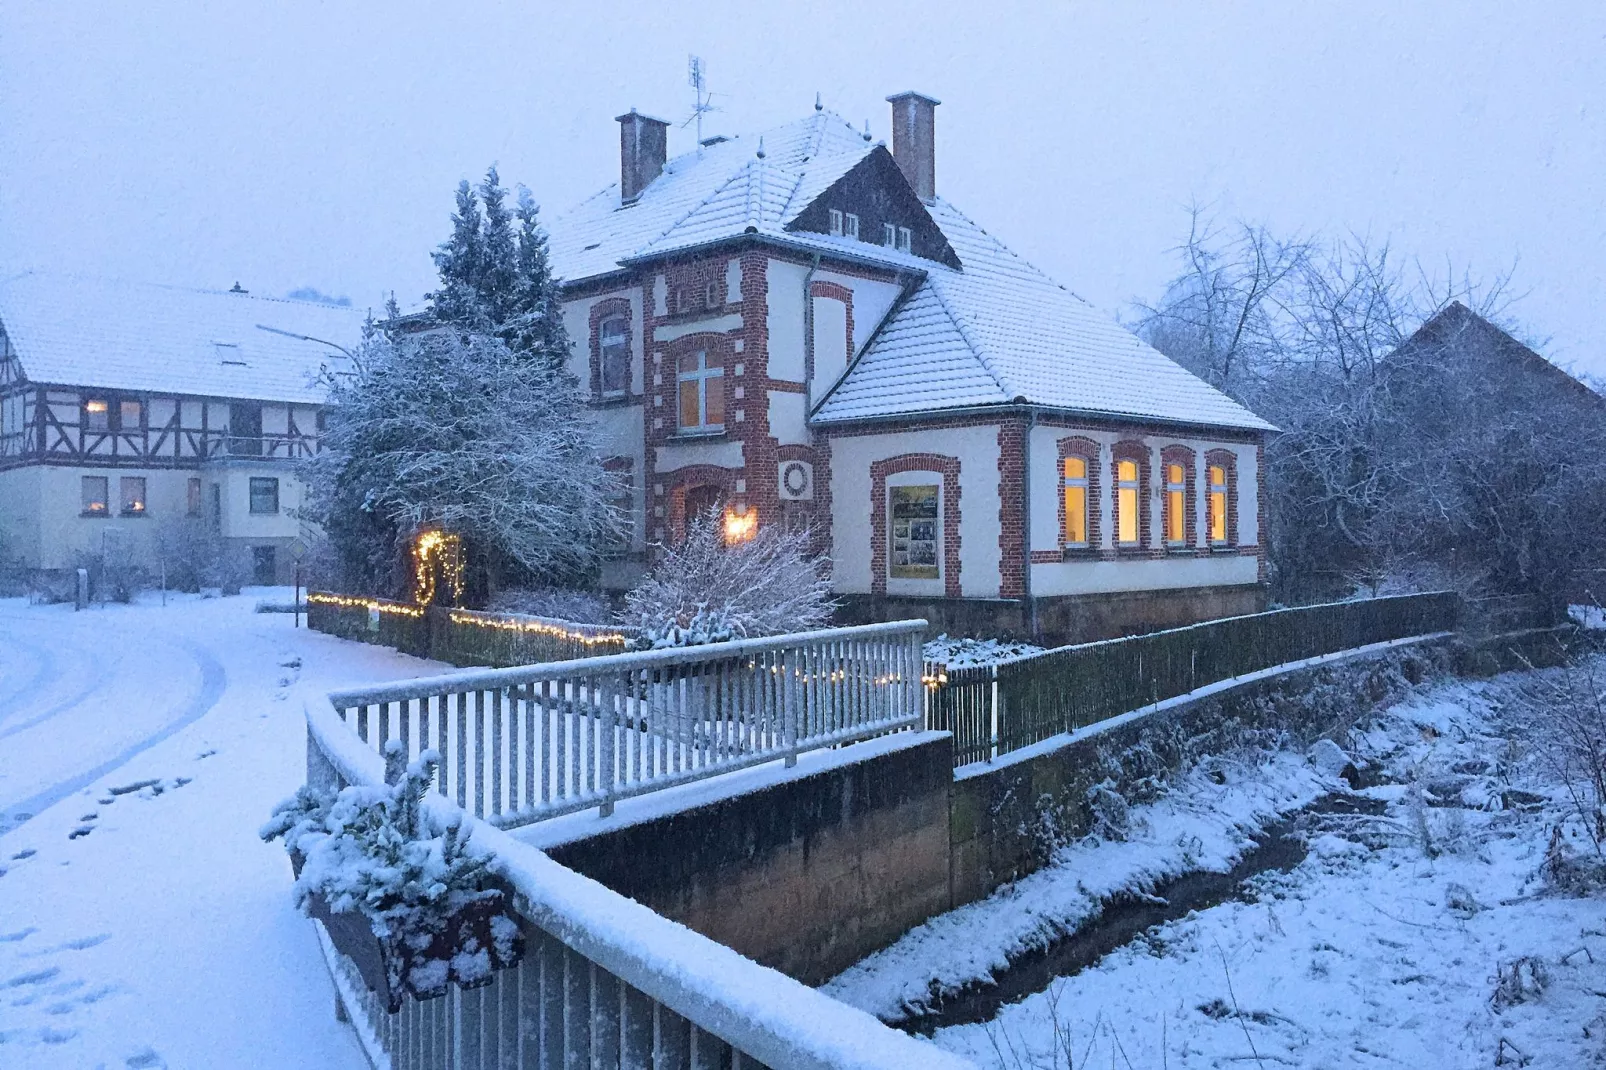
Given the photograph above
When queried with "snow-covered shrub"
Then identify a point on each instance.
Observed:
(1562, 715)
(424, 891)
(557, 603)
(195, 556)
(704, 591)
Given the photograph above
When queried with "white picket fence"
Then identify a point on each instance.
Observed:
(521, 744)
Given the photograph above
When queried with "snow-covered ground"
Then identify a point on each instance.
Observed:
(142, 921)
(1425, 936)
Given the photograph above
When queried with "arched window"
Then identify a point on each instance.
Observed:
(614, 343)
(1074, 472)
(1176, 504)
(702, 391)
(1219, 493)
(1127, 499)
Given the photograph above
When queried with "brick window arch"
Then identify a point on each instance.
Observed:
(1179, 498)
(611, 359)
(944, 468)
(1083, 478)
(1221, 488)
(1129, 487)
(694, 489)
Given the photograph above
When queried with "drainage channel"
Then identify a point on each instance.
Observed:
(1279, 846)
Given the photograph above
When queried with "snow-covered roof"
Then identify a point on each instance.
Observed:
(721, 191)
(989, 332)
(1000, 330)
(81, 330)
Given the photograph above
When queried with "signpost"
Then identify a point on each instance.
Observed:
(298, 550)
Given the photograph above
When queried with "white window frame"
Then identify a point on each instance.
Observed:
(850, 225)
(1223, 489)
(905, 239)
(889, 235)
(836, 221)
(701, 375)
(1180, 487)
(1135, 485)
(623, 338)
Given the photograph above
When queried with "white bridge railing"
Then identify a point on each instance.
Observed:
(605, 981)
(518, 745)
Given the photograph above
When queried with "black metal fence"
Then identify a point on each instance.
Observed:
(461, 636)
(995, 709)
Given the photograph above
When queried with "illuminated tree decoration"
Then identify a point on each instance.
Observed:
(437, 551)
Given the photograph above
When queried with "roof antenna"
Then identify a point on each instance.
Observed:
(817, 105)
(697, 78)
(867, 130)
(761, 146)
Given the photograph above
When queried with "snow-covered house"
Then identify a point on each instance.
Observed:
(127, 410)
(793, 327)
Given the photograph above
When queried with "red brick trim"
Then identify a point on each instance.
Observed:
(1170, 455)
(1012, 533)
(687, 285)
(1167, 432)
(786, 386)
(1261, 535)
(1131, 450)
(1228, 461)
(794, 452)
(1088, 450)
(948, 468)
(602, 310)
(823, 516)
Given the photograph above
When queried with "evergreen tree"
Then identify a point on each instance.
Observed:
(496, 278)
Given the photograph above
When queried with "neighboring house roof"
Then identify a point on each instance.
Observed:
(85, 331)
(990, 331)
(1457, 327)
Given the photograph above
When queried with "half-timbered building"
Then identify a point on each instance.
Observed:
(793, 328)
(127, 409)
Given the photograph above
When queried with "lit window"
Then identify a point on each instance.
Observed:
(1176, 504)
(889, 235)
(1126, 503)
(97, 414)
(914, 533)
(1218, 504)
(905, 239)
(1076, 501)
(128, 414)
(95, 490)
(702, 391)
(264, 495)
(192, 497)
(614, 358)
(850, 225)
(836, 221)
(132, 490)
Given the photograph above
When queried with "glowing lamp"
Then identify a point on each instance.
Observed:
(739, 527)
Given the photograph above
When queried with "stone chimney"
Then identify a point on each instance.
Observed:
(914, 141)
(643, 148)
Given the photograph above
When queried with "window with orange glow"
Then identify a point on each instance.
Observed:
(1218, 504)
(1074, 475)
(1176, 504)
(1126, 503)
(702, 391)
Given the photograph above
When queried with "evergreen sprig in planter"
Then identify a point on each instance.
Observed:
(407, 900)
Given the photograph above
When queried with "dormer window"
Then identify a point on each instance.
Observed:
(889, 235)
(836, 222)
(850, 225)
(905, 239)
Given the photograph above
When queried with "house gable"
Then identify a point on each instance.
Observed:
(877, 192)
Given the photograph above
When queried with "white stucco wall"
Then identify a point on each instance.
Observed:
(785, 302)
(1206, 569)
(977, 451)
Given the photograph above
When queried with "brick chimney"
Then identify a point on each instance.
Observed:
(914, 141)
(643, 148)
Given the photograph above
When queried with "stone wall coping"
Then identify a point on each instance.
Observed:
(1220, 687)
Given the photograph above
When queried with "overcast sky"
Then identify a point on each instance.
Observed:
(295, 144)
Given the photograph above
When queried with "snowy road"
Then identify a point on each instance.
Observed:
(142, 922)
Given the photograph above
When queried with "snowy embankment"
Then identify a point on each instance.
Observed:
(969, 653)
(143, 923)
(1428, 935)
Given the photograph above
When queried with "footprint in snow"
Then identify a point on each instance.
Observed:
(145, 1060)
(19, 935)
(37, 977)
